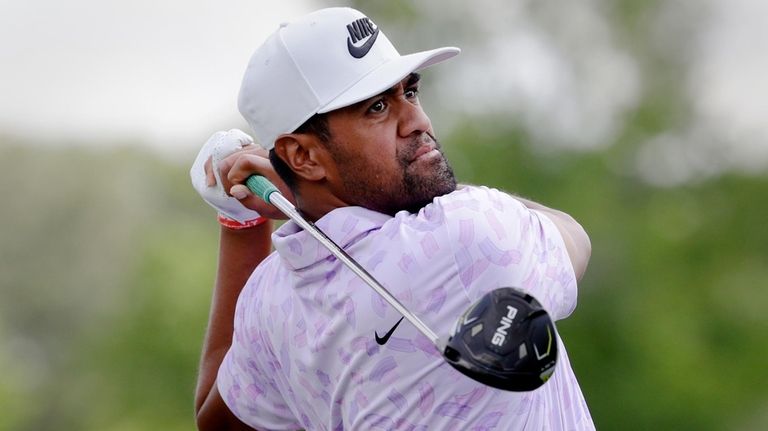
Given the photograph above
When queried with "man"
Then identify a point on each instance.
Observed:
(299, 342)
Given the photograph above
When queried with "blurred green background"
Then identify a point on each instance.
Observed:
(623, 114)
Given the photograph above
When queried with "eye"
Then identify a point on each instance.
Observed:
(412, 93)
(377, 107)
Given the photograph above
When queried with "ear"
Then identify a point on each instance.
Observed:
(304, 154)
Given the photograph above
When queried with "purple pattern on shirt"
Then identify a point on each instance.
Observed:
(461, 204)
(377, 258)
(397, 399)
(435, 300)
(300, 335)
(378, 305)
(473, 396)
(429, 246)
(453, 410)
(323, 378)
(425, 345)
(383, 367)
(376, 421)
(349, 224)
(498, 256)
(407, 263)
(304, 353)
(285, 359)
(404, 425)
(325, 396)
(255, 344)
(469, 268)
(361, 399)
(487, 421)
(344, 356)
(287, 305)
(366, 344)
(426, 398)
(495, 224)
(400, 345)
(295, 247)
(254, 391)
(390, 230)
(300, 366)
(466, 232)
(305, 421)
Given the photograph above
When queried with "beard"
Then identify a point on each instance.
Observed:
(422, 185)
(416, 184)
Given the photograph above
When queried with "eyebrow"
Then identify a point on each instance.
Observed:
(412, 80)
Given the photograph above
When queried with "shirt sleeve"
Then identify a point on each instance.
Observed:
(246, 380)
(498, 242)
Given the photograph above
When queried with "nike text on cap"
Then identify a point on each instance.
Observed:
(322, 61)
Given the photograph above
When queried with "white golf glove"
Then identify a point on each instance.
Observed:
(218, 147)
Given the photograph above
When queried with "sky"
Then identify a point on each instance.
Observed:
(163, 73)
(166, 73)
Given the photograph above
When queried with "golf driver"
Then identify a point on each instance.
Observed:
(505, 340)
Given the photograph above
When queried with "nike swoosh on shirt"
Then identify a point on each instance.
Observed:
(383, 340)
(360, 51)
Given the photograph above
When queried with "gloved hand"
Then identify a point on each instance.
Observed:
(218, 147)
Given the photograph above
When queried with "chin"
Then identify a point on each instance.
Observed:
(425, 192)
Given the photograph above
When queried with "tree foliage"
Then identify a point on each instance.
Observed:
(107, 256)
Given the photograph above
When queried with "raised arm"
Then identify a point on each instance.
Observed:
(240, 251)
(244, 243)
(575, 237)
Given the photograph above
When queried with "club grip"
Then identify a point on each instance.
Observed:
(261, 187)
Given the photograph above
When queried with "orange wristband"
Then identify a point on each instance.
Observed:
(234, 224)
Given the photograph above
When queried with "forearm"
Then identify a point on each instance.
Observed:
(240, 251)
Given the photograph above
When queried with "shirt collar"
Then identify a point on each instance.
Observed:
(345, 226)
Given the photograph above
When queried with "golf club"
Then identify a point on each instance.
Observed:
(505, 339)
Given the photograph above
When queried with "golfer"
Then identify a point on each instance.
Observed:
(296, 340)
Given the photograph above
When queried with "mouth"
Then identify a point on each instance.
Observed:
(425, 150)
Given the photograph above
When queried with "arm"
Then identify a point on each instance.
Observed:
(575, 237)
(240, 251)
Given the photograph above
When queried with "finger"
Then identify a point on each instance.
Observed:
(226, 163)
(210, 179)
(257, 150)
(240, 192)
(247, 165)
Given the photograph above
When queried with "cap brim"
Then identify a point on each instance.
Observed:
(387, 75)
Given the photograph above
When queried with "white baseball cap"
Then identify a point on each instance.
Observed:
(322, 61)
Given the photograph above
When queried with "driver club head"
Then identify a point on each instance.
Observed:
(505, 340)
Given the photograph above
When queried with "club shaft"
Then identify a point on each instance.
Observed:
(289, 210)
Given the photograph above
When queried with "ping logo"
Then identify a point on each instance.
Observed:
(358, 30)
(506, 321)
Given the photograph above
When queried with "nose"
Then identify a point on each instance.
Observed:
(413, 119)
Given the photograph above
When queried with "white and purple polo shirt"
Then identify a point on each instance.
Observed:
(304, 353)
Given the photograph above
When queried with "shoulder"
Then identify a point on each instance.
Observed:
(463, 214)
(477, 199)
(472, 219)
(480, 206)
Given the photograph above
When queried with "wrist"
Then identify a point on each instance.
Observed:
(236, 225)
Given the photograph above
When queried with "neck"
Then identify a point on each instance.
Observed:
(315, 200)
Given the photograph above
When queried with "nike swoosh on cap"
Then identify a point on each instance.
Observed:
(383, 340)
(360, 51)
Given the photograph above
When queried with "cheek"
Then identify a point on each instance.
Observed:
(377, 149)
(371, 150)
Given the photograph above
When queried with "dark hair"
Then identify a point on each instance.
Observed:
(316, 125)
